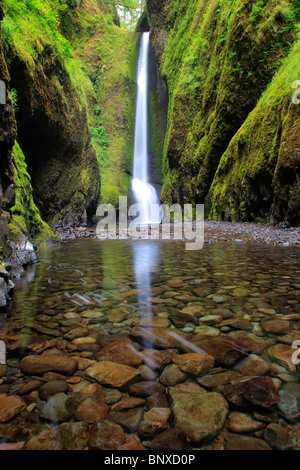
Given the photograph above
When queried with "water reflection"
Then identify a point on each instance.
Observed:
(146, 256)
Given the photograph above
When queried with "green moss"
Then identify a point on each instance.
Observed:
(257, 177)
(26, 217)
(218, 59)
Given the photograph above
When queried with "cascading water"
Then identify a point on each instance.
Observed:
(144, 192)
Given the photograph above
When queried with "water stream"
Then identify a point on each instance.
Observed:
(144, 192)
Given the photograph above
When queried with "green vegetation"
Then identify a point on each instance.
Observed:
(26, 218)
(257, 175)
(218, 60)
(100, 61)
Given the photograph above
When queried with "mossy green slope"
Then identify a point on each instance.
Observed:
(259, 174)
(53, 95)
(109, 55)
(217, 58)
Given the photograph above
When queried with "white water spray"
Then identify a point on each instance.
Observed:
(144, 192)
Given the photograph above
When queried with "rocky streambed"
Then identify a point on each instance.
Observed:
(122, 345)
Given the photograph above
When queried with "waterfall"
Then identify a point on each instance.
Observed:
(144, 192)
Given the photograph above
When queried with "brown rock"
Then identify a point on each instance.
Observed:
(128, 403)
(243, 423)
(52, 360)
(121, 352)
(22, 389)
(157, 360)
(253, 343)
(277, 327)
(132, 444)
(74, 435)
(10, 406)
(89, 411)
(194, 363)
(155, 322)
(200, 415)
(278, 437)
(171, 439)
(223, 349)
(283, 354)
(106, 435)
(164, 338)
(237, 442)
(129, 420)
(158, 400)
(46, 440)
(260, 391)
(83, 363)
(145, 389)
(76, 333)
(53, 376)
(51, 388)
(113, 374)
(223, 378)
(147, 373)
(172, 375)
(253, 365)
(155, 421)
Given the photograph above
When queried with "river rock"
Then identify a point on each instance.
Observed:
(200, 415)
(51, 388)
(237, 442)
(128, 403)
(260, 391)
(52, 360)
(278, 437)
(74, 435)
(277, 327)
(223, 378)
(57, 409)
(253, 365)
(157, 400)
(145, 389)
(25, 388)
(157, 360)
(106, 435)
(283, 354)
(163, 338)
(113, 374)
(89, 411)
(155, 421)
(10, 406)
(243, 423)
(171, 439)
(47, 440)
(76, 333)
(120, 352)
(288, 405)
(223, 349)
(253, 343)
(194, 363)
(147, 373)
(129, 419)
(172, 375)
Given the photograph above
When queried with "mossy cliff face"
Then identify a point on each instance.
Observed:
(259, 174)
(109, 55)
(20, 220)
(217, 59)
(52, 119)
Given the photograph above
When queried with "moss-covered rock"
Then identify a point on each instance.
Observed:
(52, 119)
(217, 59)
(259, 174)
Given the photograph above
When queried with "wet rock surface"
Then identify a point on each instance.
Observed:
(202, 360)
